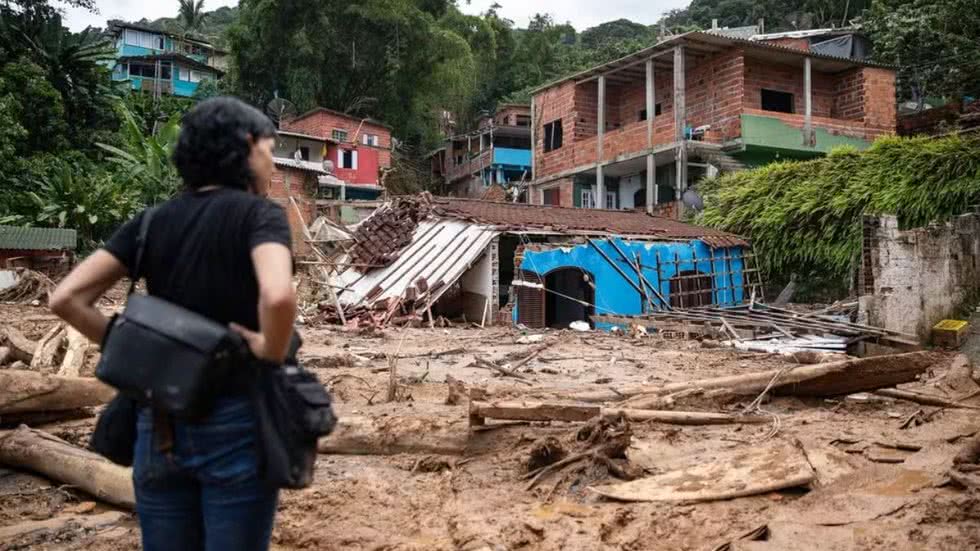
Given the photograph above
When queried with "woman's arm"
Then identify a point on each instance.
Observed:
(277, 302)
(74, 298)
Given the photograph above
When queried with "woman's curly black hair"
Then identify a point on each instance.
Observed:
(213, 147)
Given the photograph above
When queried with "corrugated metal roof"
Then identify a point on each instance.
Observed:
(308, 166)
(37, 239)
(440, 252)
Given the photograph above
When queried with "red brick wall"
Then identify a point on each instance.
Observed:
(370, 159)
(849, 98)
(714, 90)
(783, 78)
(795, 43)
(880, 109)
(289, 182)
(566, 192)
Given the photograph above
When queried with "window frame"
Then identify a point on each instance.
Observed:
(551, 130)
(339, 134)
(791, 97)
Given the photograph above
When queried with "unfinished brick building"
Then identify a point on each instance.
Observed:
(636, 132)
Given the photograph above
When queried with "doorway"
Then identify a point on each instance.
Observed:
(569, 298)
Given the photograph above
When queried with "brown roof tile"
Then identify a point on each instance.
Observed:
(601, 222)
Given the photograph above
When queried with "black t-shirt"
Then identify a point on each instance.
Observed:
(198, 251)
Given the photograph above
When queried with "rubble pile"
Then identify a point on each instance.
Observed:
(378, 239)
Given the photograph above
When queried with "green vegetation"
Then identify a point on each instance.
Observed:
(806, 217)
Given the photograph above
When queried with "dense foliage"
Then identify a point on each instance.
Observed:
(75, 151)
(806, 216)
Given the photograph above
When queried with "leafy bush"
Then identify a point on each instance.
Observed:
(805, 217)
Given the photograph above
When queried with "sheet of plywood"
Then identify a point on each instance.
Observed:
(744, 472)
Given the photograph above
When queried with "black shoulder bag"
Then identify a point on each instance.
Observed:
(293, 410)
(165, 355)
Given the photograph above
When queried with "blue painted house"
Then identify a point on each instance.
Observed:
(497, 154)
(159, 62)
(546, 266)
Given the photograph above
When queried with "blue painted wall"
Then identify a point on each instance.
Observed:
(614, 296)
(511, 157)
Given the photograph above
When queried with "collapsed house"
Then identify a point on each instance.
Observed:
(540, 266)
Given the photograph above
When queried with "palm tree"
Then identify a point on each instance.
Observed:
(191, 15)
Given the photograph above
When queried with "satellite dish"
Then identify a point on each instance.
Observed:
(692, 200)
(280, 109)
(328, 166)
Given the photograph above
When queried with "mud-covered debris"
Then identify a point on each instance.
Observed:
(544, 452)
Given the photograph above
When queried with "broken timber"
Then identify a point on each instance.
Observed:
(765, 319)
(826, 379)
(58, 460)
(356, 435)
(534, 411)
(23, 391)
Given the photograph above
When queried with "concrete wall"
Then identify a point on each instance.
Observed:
(912, 279)
(613, 295)
(477, 288)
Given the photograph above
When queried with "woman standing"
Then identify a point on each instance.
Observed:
(221, 249)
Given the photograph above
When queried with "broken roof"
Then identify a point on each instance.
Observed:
(548, 219)
(708, 43)
(37, 239)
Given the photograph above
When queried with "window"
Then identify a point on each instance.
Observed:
(657, 109)
(691, 288)
(551, 197)
(197, 76)
(146, 70)
(552, 135)
(304, 153)
(339, 135)
(183, 74)
(143, 39)
(612, 200)
(588, 199)
(773, 100)
(348, 159)
(523, 120)
(370, 139)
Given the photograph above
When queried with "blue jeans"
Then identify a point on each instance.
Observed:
(205, 494)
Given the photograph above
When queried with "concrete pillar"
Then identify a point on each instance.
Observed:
(600, 185)
(534, 152)
(680, 122)
(651, 161)
(808, 104)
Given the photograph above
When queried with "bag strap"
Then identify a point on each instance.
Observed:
(141, 238)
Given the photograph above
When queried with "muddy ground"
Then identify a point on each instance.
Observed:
(480, 501)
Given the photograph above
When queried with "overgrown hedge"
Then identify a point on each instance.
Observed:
(805, 216)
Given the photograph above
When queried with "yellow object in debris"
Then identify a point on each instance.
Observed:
(949, 333)
(951, 325)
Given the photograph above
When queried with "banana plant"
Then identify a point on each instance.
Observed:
(145, 160)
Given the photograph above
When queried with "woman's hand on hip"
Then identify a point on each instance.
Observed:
(256, 343)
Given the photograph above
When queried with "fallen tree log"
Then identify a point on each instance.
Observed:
(24, 391)
(21, 348)
(534, 411)
(391, 435)
(47, 349)
(78, 346)
(74, 523)
(38, 451)
(923, 399)
(825, 379)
